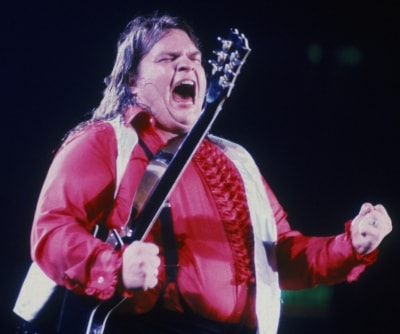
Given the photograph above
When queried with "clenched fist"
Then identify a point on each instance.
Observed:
(369, 227)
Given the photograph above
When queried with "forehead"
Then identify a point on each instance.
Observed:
(175, 40)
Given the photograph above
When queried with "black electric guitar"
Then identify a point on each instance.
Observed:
(171, 160)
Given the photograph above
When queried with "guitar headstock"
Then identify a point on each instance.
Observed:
(226, 67)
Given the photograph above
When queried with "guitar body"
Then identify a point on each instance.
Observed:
(76, 311)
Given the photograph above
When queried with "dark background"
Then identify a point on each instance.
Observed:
(316, 104)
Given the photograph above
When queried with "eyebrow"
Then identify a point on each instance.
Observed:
(177, 53)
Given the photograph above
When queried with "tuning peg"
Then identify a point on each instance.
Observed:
(235, 58)
(224, 81)
(221, 55)
(215, 66)
(226, 43)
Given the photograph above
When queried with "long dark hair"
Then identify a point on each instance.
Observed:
(135, 42)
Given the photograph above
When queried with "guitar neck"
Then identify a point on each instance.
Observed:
(176, 155)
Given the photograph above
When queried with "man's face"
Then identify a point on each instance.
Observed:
(171, 82)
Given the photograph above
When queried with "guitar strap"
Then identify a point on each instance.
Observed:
(171, 259)
(168, 237)
(170, 250)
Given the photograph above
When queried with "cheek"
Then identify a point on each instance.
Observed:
(147, 93)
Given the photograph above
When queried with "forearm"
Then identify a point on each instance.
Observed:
(77, 194)
(304, 262)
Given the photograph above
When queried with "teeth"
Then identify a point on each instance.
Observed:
(187, 82)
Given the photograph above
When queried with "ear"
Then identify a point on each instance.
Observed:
(132, 83)
(132, 80)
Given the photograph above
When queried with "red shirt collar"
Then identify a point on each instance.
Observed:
(144, 124)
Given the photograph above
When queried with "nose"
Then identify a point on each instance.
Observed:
(185, 64)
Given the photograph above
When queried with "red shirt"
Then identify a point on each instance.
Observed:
(79, 191)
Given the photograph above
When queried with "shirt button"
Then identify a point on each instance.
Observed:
(100, 280)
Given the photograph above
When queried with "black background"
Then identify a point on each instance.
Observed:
(325, 133)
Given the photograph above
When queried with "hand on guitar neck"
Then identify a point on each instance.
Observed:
(140, 264)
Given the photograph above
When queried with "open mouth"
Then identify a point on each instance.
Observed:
(184, 91)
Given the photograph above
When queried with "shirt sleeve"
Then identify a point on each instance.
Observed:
(306, 261)
(76, 194)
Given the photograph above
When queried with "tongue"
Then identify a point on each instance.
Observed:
(182, 98)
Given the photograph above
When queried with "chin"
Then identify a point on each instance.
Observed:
(183, 130)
